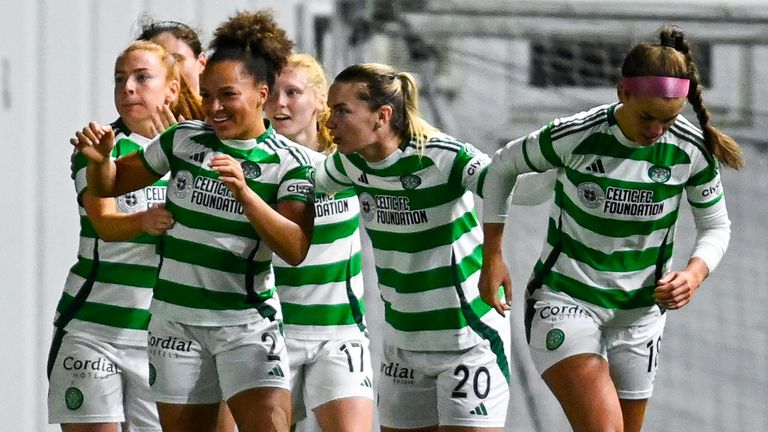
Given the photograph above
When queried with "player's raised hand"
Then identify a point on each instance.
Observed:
(230, 173)
(162, 119)
(95, 142)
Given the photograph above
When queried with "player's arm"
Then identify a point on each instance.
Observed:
(110, 225)
(287, 230)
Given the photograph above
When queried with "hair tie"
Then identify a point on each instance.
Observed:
(668, 42)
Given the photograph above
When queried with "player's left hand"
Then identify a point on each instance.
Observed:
(676, 289)
(230, 173)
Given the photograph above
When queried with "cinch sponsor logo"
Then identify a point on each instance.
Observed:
(474, 167)
(303, 189)
(712, 191)
(390, 210)
(399, 375)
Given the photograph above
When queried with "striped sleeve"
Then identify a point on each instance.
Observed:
(331, 177)
(157, 154)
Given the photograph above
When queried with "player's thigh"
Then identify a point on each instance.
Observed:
(341, 369)
(473, 389)
(299, 354)
(251, 356)
(633, 358)
(559, 330)
(86, 383)
(140, 407)
(182, 370)
(406, 396)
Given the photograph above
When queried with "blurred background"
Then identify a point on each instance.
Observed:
(489, 71)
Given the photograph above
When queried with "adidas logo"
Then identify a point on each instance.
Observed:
(277, 371)
(480, 410)
(363, 178)
(597, 167)
(198, 157)
(366, 383)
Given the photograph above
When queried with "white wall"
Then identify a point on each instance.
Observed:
(56, 60)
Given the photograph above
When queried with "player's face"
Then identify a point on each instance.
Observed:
(191, 65)
(352, 122)
(141, 85)
(293, 105)
(232, 100)
(644, 119)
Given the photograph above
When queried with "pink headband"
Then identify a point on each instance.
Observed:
(657, 86)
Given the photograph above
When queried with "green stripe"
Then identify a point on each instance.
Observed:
(88, 231)
(421, 198)
(441, 277)
(546, 147)
(209, 257)
(423, 240)
(320, 315)
(200, 298)
(605, 144)
(606, 226)
(406, 165)
(339, 165)
(317, 274)
(108, 315)
(134, 275)
(708, 203)
(481, 182)
(267, 191)
(473, 313)
(527, 158)
(346, 193)
(209, 222)
(704, 176)
(606, 298)
(660, 191)
(457, 167)
(329, 233)
(439, 319)
(616, 261)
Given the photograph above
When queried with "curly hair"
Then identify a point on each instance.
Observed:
(255, 39)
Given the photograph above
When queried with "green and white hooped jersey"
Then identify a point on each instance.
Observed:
(616, 205)
(108, 291)
(215, 269)
(418, 211)
(322, 298)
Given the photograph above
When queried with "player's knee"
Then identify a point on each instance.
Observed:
(280, 419)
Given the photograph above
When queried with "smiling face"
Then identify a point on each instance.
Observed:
(293, 106)
(141, 85)
(233, 100)
(644, 119)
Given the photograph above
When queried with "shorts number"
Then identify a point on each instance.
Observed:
(481, 374)
(345, 348)
(654, 348)
(271, 356)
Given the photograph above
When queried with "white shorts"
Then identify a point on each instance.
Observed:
(203, 365)
(561, 329)
(322, 371)
(93, 381)
(449, 388)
